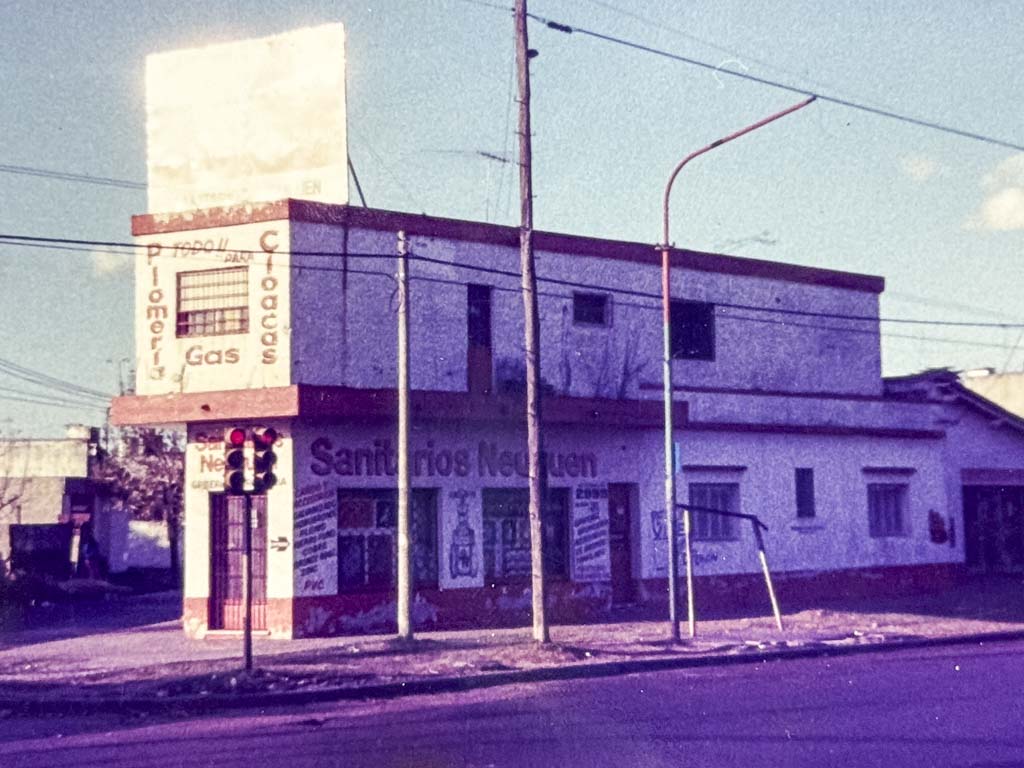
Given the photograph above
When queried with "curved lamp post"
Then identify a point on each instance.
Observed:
(670, 478)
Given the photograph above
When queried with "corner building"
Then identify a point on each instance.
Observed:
(283, 315)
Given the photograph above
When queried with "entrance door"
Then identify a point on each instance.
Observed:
(994, 528)
(227, 546)
(619, 541)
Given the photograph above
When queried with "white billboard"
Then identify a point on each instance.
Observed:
(248, 121)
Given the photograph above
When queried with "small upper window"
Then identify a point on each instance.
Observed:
(804, 492)
(590, 309)
(213, 302)
(693, 330)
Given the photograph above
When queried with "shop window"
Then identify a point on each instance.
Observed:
(805, 492)
(693, 330)
(706, 525)
(213, 302)
(507, 533)
(591, 309)
(366, 538)
(887, 509)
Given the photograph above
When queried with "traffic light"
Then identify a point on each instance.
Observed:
(234, 460)
(264, 458)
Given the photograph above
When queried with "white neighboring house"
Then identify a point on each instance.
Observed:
(282, 315)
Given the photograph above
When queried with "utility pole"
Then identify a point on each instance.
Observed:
(534, 443)
(404, 553)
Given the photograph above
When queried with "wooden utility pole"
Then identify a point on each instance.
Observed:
(404, 553)
(534, 443)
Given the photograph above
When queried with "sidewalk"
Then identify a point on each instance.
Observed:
(91, 666)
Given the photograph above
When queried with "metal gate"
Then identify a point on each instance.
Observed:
(994, 528)
(227, 546)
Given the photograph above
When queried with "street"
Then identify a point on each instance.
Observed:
(952, 706)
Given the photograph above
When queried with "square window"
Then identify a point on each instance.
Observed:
(693, 330)
(887, 509)
(590, 309)
(805, 492)
(705, 499)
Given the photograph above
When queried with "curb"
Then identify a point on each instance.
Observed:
(206, 704)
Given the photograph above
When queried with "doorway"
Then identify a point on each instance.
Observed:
(479, 361)
(227, 546)
(620, 542)
(994, 528)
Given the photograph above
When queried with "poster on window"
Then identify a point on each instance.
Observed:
(316, 541)
(590, 545)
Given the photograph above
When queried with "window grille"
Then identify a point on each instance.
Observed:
(366, 538)
(213, 302)
(887, 509)
(506, 539)
(708, 526)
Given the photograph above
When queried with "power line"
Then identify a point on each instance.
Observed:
(82, 178)
(42, 398)
(821, 96)
(52, 403)
(635, 305)
(65, 243)
(49, 382)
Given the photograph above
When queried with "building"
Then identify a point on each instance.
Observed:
(49, 482)
(282, 315)
(1004, 389)
(983, 461)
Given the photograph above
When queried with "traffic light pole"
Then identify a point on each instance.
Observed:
(247, 583)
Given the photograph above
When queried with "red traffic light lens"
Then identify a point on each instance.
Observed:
(236, 437)
(265, 438)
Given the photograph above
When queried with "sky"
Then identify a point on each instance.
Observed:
(431, 102)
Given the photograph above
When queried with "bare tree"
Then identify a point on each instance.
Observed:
(13, 462)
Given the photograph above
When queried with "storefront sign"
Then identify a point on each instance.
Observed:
(590, 546)
(490, 460)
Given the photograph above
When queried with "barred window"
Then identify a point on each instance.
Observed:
(707, 526)
(213, 302)
(507, 533)
(367, 543)
(887, 509)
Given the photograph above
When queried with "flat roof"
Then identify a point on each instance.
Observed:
(495, 234)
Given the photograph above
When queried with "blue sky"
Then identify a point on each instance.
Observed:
(430, 87)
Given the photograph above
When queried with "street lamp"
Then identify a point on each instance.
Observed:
(670, 477)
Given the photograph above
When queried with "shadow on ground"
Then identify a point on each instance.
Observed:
(87, 615)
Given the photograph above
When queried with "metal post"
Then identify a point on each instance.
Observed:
(247, 582)
(767, 575)
(670, 462)
(404, 553)
(670, 490)
(534, 440)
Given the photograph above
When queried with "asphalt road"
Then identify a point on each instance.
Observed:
(953, 706)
